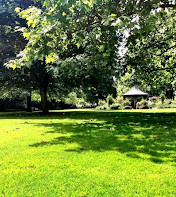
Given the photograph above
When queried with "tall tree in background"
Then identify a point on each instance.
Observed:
(11, 42)
(152, 50)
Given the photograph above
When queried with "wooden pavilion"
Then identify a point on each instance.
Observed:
(135, 92)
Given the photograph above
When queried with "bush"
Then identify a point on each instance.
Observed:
(123, 103)
(110, 100)
(162, 97)
(103, 107)
(159, 104)
(167, 104)
(74, 101)
(115, 106)
(101, 102)
(151, 104)
(12, 105)
(143, 104)
(106, 105)
(174, 102)
(126, 103)
(173, 105)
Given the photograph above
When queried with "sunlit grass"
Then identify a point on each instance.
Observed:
(88, 153)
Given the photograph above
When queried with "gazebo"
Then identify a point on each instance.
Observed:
(135, 92)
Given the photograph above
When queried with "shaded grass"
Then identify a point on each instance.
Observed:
(88, 153)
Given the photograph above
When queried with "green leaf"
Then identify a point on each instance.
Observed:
(17, 10)
(101, 48)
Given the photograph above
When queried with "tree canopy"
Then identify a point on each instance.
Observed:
(82, 42)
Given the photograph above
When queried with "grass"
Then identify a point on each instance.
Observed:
(88, 153)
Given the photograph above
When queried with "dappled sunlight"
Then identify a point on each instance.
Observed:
(138, 135)
(111, 149)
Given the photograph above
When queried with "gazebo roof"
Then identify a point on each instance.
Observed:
(135, 91)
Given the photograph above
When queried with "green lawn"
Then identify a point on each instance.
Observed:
(88, 153)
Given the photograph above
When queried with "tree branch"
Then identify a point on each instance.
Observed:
(168, 5)
(172, 47)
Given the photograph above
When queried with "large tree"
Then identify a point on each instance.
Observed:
(152, 50)
(11, 42)
(86, 32)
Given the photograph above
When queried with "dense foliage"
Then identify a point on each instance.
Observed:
(91, 45)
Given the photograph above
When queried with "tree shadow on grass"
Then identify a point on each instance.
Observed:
(147, 136)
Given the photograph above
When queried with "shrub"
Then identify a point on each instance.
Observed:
(174, 102)
(74, 101)
(167, 102)
(126, 103)
(143, 104)
(115, 106)
(103, 107)
(151, 104)
(159, 104)
(123, 103)
(162, 97)
(110, 100)
(106, 104)
(101, 102)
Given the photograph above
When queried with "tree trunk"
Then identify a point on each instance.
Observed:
(43, 95)
(29, 106)
(170, 94)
